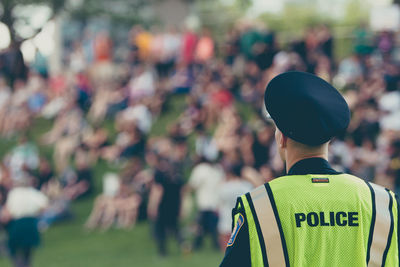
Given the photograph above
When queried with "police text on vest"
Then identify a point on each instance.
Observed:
(340, 218)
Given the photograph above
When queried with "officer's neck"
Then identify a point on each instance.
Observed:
(295, 153)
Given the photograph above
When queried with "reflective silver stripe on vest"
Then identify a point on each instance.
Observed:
(269, 227)
(382, 226)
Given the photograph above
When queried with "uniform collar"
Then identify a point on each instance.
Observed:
(312, 166)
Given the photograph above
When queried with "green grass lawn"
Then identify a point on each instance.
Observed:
(68, 244)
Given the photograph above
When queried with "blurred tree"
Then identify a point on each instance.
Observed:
(17, 15)
(119, 11)
(26, 18)
(356, 13)
(295, 17)
(219, 16)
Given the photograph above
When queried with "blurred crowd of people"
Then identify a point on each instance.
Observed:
(105, 103)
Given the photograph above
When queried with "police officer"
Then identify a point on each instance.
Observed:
(313, 216)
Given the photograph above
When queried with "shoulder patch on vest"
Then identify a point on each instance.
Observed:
(239, 224)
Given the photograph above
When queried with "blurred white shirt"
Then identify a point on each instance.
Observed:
(229, 192)
(205, 180)
(206, 147)
(111, 184)
(25, 202)
(5, 96)
(142, 85)
(141, 114)
(390, 102)
(23, 155)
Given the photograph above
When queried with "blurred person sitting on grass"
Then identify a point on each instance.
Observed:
(43, 173)
(118, 204)
(95, 140)
(59, 206)
(66, 133)
(81, 184)
(5, 96)
(128, 144)
(17, 113)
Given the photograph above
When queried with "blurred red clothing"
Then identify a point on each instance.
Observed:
(58, 84)
(205, 49)
(222, 98)
(83, 82)
(188, 47)
(102, 48)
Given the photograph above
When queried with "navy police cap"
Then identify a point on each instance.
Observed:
(306, 108)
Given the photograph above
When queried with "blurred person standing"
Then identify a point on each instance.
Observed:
(204, 48)
(205, 181)
(262, 146)
(3, 219)
(143, 41)
(23, 206)
(394, 164)
(5, 94)
(165, 201)
(40, 64)
(103, 68)
(189, 41)
(231, 188)
(14, 64)
(172, 45)
(102, 47)
(363, 40)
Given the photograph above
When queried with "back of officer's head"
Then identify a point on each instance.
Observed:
(308, 112)
(287, 145)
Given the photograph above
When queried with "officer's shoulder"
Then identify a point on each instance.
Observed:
(377, 186)
(360, 181)
(275, 180)
(286, 181)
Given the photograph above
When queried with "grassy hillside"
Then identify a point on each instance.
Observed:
(69, 244)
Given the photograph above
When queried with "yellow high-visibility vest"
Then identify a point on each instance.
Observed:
(321, 220)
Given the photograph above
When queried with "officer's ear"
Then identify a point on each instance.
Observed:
(281, 139)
